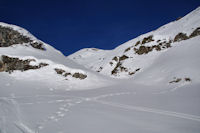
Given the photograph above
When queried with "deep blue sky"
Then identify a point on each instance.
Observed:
(74, 24)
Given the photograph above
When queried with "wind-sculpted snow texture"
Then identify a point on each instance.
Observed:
(150, 84)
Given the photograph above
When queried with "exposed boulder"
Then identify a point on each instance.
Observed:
(147, 39)
(196, 32)
(59, 71)
(123, 57)
(79, 75)
(143, 50)
(188, 79)
(180, 37)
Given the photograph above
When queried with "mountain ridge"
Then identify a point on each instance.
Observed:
(157, 40)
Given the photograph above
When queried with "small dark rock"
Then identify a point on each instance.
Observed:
(115, 59)
(59, 71)
(126, 50)
(188, 79)
(123, 57)
(137, 43)
(175, 80)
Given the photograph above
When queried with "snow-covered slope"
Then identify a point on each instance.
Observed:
(21, 51)
(156, 88)
(135, 56)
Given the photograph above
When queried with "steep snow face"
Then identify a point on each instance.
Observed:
(137, 55)
(22, 59)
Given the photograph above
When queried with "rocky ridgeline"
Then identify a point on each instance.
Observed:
(160, 44)
(140, 49)
(66, 74)
(9, 64)
(9, 37)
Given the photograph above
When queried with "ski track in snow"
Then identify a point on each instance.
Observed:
(23, 128)
(152, 110)
(67, 102)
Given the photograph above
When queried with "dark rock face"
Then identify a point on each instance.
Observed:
(188, 79)
(9, 37)
(180, 37)
(126, 50)
(59, 71)
(65, 74)
(123, 57)
(147, 39)
(195, 32)
(158, 47)
(137, 43)
(1, 66)
(9, 64)
(119, 68)
(143, 50)
(79, 75)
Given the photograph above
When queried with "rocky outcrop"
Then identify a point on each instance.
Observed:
(161, 45)
(79, 75)
(177, 80)
(147, 39)
(180, 37)
(119, 68)
(196, 32)
(9, 37)
(66, 74)
(183, 36)
(9, 64)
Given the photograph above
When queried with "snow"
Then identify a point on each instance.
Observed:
(187, 25)
(41, 101)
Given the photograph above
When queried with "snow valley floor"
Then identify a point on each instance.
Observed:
(118, 108)
(150, 84)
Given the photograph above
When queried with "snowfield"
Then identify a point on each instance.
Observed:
(155, 90)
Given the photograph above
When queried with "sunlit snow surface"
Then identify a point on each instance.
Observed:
(41, 101)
